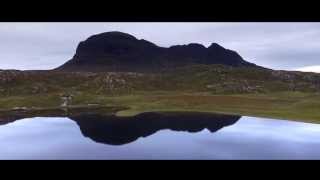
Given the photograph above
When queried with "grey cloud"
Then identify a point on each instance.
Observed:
(275, 45)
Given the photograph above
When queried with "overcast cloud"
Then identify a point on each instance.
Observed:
(287, 46)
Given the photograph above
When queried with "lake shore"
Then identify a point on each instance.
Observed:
(301, 107)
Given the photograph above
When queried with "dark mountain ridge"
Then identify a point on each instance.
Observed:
(117, 51)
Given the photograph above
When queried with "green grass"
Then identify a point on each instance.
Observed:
(286, 105)
(203, 88)
(305, 108)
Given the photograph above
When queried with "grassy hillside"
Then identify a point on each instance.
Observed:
(214, 88)
(213, 79)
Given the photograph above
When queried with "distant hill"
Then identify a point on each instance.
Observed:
(117, 51)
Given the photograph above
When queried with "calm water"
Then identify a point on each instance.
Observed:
(155, 136)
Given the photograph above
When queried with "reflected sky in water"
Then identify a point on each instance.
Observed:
(248, 138)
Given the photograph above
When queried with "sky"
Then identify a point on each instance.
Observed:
(283, 46)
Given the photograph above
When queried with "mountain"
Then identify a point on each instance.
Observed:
(115, 69)
(117, 51)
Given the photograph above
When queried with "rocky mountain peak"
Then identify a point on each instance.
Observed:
(118, 51)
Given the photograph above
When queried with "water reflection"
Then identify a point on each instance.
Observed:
(117, 131)
(169, 136)
(114, 130)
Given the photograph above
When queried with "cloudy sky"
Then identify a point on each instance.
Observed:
(287, 46)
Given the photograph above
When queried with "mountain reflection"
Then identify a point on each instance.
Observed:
(113, 130)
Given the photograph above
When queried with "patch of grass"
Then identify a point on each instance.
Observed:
(48, 101)
(299, 107)
(290, 105)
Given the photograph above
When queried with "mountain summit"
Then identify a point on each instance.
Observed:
(117, 51)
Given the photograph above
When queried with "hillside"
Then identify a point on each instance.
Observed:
(214, 79)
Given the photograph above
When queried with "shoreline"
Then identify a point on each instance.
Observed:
(127, 112)
(284, 106)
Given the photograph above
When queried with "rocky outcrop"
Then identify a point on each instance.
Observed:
(8, 76)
